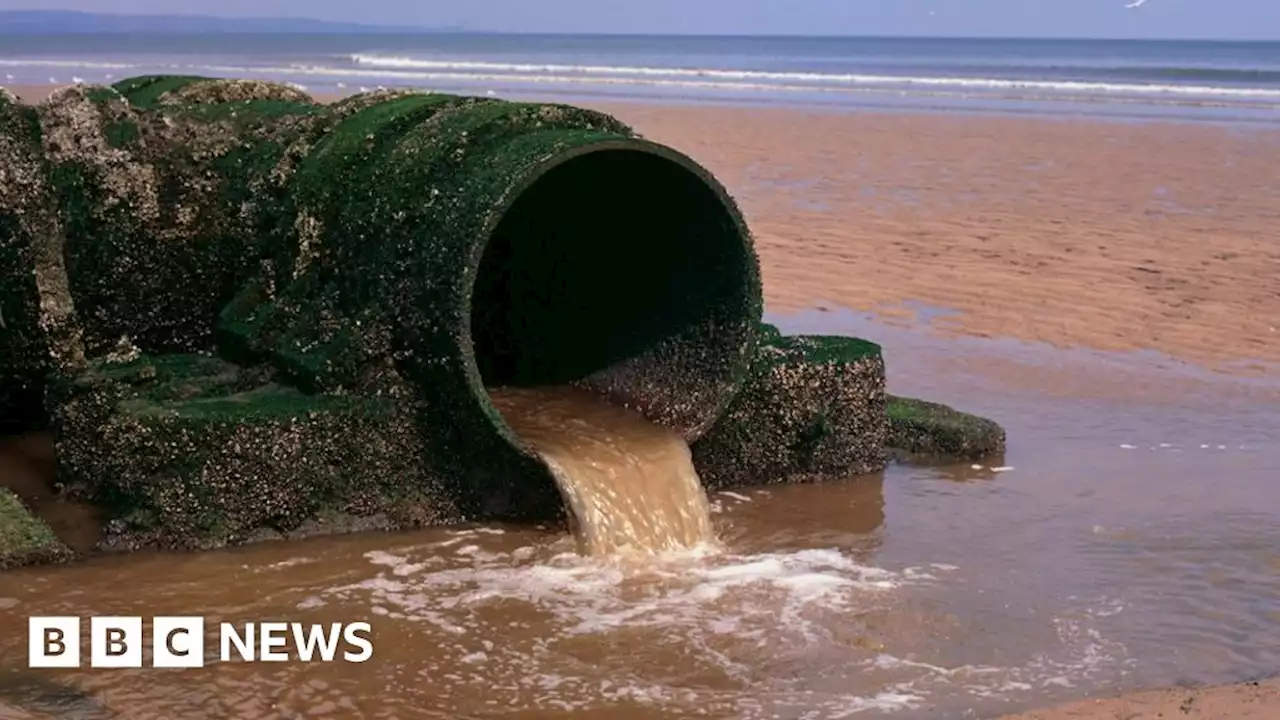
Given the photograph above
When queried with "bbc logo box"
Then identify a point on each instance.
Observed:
(115, 642)
(179, 642)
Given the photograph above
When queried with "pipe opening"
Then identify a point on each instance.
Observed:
(603, 258)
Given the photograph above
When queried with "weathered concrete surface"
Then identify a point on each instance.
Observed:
(192, 452)
(165, 209)
(813, 409)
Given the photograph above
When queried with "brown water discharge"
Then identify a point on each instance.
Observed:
(630, 484)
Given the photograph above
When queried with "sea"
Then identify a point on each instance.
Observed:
(1194, 80)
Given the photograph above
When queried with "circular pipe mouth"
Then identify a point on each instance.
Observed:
(621, 266)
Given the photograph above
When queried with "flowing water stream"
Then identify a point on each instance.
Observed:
(630, 485)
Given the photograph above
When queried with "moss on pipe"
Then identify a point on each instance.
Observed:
(456, 243)
(165, 209)
(145, 90)
(184, 90)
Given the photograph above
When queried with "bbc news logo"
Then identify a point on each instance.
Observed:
(178, 642)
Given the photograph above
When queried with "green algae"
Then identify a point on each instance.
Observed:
(926, 429)
(145, 90)
(24, 538)
(185, 90)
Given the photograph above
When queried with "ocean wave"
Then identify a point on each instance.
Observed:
(770, 79)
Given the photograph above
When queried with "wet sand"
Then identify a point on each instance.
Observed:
(1246, 701)
(1111, 235)
(1103, 236)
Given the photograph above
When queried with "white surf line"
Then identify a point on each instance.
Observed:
(1167, 446)
(831, 83)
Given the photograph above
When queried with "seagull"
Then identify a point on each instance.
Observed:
(77, 80)
(1135, 4)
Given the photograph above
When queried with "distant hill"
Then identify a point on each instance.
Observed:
(58, 22)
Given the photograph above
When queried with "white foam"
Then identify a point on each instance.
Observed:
(281, 565)
(691, 592)
(514, 621)
(311, 602)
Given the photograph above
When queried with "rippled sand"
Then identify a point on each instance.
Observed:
(1113, 235)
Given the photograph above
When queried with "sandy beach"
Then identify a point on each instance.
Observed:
(1119, 236)
(1116, 236)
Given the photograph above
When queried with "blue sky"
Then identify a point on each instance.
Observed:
(1238, 19)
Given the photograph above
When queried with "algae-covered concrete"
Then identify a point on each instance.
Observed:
(925, 429)
(447, 244)
(24, 538)
(813, 409)
(189, 451)
(39, 331)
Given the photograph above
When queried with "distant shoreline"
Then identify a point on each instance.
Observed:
(68, 22)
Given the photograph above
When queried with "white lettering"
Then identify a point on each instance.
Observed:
(307, 644)
(352, 636)
(242, 644)
(273, 636)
